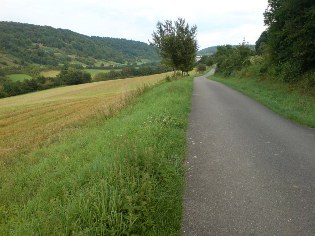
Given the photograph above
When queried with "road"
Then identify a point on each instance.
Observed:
(249, 171)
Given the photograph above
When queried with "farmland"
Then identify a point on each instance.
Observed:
(50, 73)
(87, 172)
(93, 72)
(28, 121)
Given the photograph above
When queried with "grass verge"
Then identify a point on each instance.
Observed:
(279, 97)
(117, 176)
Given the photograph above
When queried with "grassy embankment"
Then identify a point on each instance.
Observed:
(117, 176)
(279, 97)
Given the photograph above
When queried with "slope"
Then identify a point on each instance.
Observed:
(46, 45)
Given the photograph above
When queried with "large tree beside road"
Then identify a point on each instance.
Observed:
(291, 33)
(177, 44)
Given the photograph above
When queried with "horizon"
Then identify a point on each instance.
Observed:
(218, 23)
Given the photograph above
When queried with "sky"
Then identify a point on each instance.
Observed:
(219, 22)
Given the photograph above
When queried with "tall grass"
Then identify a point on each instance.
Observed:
(278, 96)
(117, 176)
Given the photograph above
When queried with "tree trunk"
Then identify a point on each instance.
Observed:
(175, 70)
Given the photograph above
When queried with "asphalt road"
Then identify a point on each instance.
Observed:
(249, 171)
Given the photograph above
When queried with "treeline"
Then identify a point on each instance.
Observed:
(45, 45)
(70, 76)
(131, 72)
(67, 76)
(284, 52)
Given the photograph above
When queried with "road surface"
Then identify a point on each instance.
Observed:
(249, 171)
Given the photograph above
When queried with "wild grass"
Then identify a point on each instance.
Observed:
(278, 96)
(32, 120)
(19, 77)
(117, 176)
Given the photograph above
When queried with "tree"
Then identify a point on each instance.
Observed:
(177, 44)
(291, 33)
(261, 42)
(232, 58)
(72, 76)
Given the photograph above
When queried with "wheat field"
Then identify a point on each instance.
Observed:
(31, 120)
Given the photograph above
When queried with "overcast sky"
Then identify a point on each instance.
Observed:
(219, 21)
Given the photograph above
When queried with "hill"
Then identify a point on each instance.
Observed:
(26, 43)
(207, 51)
(213, 49)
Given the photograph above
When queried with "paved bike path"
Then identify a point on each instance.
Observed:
(249, 171)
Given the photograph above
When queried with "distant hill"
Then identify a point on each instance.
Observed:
(212, 50)
(25, 43)
(207, 51)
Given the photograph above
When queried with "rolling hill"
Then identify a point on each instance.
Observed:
(207, 51)
(44, 45)
(213, 49)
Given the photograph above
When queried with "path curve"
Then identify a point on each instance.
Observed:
(249, 171)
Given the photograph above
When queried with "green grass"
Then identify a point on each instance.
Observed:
(279, 97)
(18, 77)
(117, 176)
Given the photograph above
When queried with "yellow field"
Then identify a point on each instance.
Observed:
(30, 120)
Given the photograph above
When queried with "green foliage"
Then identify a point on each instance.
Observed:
(72, 76)
(291, 33)
(48, 46)
(130, 72)
(118, 176)
(67, 76)
(261, 42)
(177, 44)
(230, 59)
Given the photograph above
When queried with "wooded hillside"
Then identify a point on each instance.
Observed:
(49, 46)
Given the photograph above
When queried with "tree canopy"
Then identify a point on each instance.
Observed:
(177, 44)
(291, 34)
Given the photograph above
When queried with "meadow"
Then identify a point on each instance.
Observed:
(107, 173)
(19, 77)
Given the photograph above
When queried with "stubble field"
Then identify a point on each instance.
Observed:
(31, 120)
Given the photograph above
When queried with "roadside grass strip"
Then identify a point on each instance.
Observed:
(279, 97)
